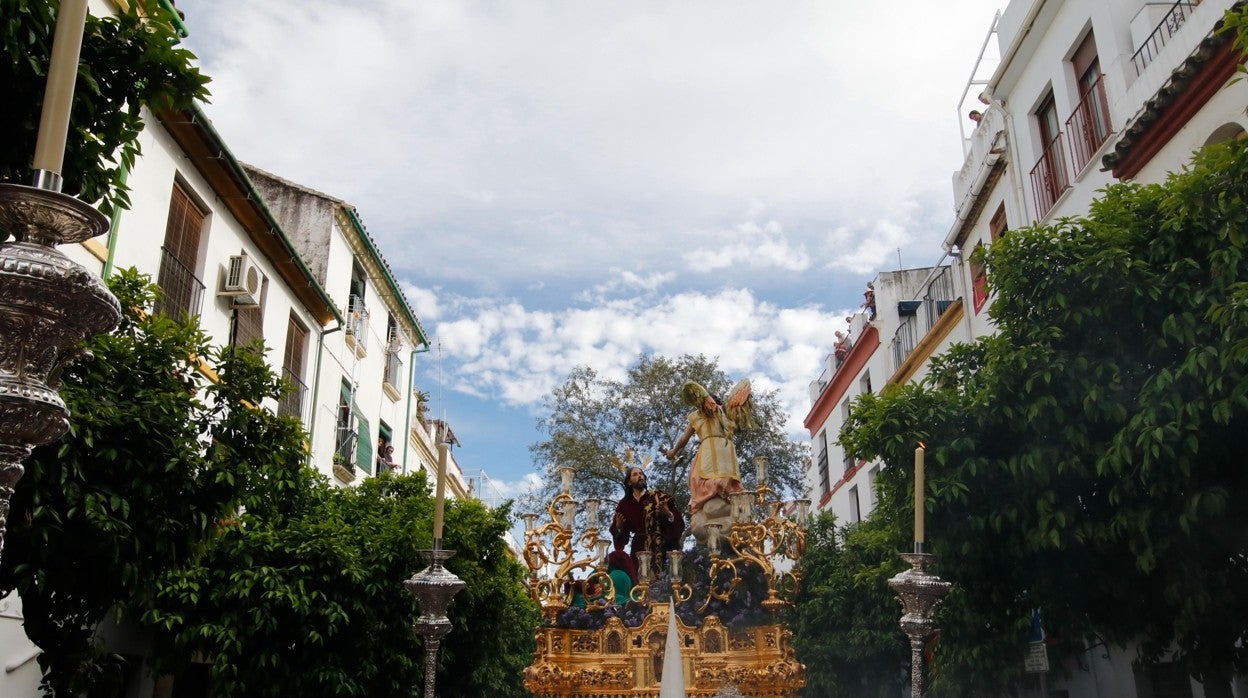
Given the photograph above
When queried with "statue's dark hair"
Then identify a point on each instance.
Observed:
(628, 473)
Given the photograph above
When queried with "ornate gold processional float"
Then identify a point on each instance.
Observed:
(726, 591)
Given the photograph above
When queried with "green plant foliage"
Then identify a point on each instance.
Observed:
(591, 422)
(176, 506)
(845, 621)
(133, 490)
(313, 603)
(1087, 459)
(128, 61)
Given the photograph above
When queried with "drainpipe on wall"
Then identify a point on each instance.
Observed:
(114, 223)
(411, 382)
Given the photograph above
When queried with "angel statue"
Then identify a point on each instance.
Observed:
(715, 473)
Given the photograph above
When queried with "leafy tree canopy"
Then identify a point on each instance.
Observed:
(128, 61)
(313, 604)
(592, 422)
(1087, 459)
(177, 507)
(155, 456)
(845, 622)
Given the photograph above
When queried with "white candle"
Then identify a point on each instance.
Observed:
(440, 499)
(918, 494)
(58, 96)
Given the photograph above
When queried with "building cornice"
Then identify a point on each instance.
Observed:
(836, 388)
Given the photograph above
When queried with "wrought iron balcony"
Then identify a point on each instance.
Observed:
(291, 404)
(394, 367)
(1168, 27)
(1049, 178)
(182, 293)
(1089, 125)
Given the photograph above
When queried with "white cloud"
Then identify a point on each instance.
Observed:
(518, 356)
(566, 133)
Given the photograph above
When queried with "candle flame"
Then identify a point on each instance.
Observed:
(922, 445)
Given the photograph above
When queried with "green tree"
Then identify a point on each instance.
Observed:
(313, 603)
(155, 455)
(128, 61)
(175, 506)
(1087, 459)
(845, 620)
(592, 423)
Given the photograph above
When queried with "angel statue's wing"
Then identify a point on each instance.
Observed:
(738, 406)
(739, 394)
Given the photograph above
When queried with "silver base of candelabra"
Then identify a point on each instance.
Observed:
(48, 306)
(919, 593)
(433, 587)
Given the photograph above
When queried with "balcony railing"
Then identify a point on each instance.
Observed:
(1049, 177)
(905, 340)
(394, 368)
(939, 296)
(357, 316)
(181, 291)
(291, 403)
(1168, 27)
(1088, 126)
(344, 447)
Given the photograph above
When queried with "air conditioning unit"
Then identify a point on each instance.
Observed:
(242, 281)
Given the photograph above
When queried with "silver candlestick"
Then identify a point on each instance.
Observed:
(433, 588)
(48, 306)
(919, 593)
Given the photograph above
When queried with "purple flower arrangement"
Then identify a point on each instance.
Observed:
(743, 608)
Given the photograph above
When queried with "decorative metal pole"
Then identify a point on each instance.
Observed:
(433, 587)
(919, 593)
(48, 304)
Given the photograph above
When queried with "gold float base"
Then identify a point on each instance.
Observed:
(620, 661)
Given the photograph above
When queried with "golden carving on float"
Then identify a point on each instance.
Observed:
(617, 660)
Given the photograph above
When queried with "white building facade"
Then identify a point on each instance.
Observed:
(1085, 93)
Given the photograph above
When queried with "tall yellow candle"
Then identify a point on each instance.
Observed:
(439, 502)
(58, 96)
(918, 494)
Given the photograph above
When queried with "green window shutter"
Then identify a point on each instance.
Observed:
(363, 444)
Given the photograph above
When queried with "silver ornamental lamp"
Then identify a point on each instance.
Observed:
(435, 586)
(919, 591)
(48, 303)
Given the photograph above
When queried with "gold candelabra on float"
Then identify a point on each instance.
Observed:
(750, 539)
(552, 589)
(760, 542)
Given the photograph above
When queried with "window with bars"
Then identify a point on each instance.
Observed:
(293, 358)
(821, 462)
(979, 280)
(249, 320)
(182, 292)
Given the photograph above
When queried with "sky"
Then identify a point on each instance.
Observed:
(558, 184)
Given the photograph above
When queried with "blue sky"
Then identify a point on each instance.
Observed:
(575, 183)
